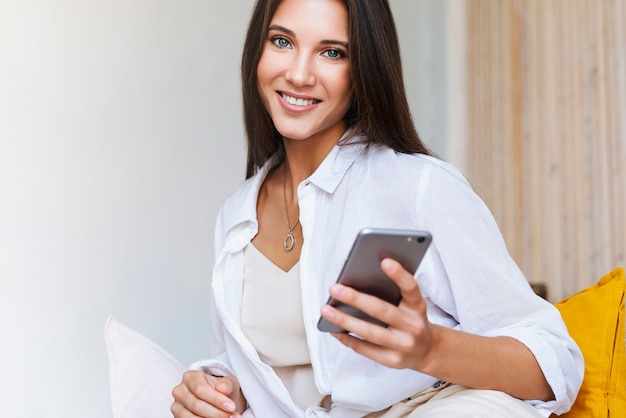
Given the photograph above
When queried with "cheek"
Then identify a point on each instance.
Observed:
(344, 87)
(266, 68)
(263, 75)
(261, 71)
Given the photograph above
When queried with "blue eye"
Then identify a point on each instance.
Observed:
(334, 53)
(281, 42)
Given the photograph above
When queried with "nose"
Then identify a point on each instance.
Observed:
(300, 71)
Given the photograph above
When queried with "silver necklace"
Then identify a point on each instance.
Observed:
(290, 240)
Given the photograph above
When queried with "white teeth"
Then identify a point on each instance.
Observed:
(298, 102)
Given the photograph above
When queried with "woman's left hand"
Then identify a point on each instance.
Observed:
(408, 340)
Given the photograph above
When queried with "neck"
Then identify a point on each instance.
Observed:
(303, 157)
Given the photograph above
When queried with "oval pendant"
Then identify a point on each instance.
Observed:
(289, 241)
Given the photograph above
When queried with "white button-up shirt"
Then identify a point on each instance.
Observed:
(467, 278)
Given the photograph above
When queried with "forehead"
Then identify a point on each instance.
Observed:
(326, 19)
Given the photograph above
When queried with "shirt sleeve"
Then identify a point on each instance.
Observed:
(476, 281)
(217, 363)
(217, 347)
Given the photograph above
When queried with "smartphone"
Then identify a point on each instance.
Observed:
(362, 271)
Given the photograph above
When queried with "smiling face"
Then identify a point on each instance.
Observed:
(304, 70)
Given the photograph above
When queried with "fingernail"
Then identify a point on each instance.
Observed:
(328, 312)
(337, 290)
(229, 406)
(389, 264)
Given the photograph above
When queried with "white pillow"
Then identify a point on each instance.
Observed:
(141, 374)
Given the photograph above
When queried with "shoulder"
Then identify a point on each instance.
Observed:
(436, 188)
(412, 167)
(240, 205)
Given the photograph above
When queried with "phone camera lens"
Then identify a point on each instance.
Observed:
(420, 239)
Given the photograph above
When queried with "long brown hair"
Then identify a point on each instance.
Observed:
(380, 111)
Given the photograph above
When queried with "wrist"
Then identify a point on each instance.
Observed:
(429, 362)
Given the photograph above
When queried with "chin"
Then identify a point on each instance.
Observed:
(301, 133)
(294, 133)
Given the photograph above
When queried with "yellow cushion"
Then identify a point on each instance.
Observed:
(595, 320)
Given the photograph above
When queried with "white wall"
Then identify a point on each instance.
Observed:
(120, 135)
(422, 30)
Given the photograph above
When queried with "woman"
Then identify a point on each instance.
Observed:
(332, 149)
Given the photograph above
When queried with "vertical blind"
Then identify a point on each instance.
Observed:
(546, 132)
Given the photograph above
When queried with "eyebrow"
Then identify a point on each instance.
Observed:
(293, 34)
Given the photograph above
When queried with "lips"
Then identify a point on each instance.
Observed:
(298, 101)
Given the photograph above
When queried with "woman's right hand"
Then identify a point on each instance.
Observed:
(201, 395)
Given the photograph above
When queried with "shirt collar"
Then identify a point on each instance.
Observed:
(336, 164)
(327, 176)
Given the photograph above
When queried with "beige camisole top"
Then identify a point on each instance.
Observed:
(271, 318)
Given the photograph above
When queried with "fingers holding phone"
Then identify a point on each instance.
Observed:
(406, 340)
(362, 269)
(412, 299)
